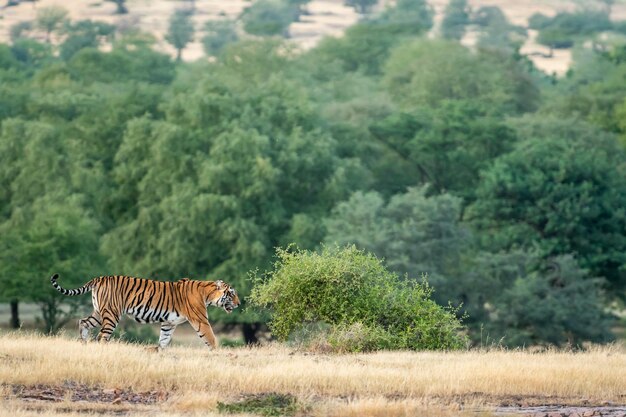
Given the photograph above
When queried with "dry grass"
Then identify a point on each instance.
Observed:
(386, 383)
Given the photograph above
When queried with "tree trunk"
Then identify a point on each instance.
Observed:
(15, 315)
(249, 333)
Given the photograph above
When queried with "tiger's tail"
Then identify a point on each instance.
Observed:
(78, 291)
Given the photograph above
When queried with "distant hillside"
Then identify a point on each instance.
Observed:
(323, 18)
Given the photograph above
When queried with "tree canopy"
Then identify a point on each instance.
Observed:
(504, 185)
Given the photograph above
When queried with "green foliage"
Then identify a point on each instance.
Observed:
(269, 405)
(456, 18)
(409, 17)
(414, 233)
(180, 31)
(366, 46)
(32, 54)
(218, 34)
(539, 21)
(564, 29)
(363, 48)
(561, 195)
(202, 169)
(593, 91)
(552, 302)
(268, 18)
(84, 34)
(347, 288)
(90, 65)
(50, 19)
(426, 73)
(8, 61)
(18, 29)
(457, 134)
(496, 33)
(45, 225)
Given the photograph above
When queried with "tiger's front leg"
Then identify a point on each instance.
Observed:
(205, 332)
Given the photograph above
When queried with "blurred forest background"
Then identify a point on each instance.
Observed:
(425, 134)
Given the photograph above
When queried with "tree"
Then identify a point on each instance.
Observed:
(268, 18)
(53, 235)
(559, 195)
(43, 222)
(566, 28)
(409, 17)
(218, 34)
(139, 64)
(364, 48)
(456, 17)
(457, 134)
(593, 90)
(180, 31)
(84, 34)
(234, 168)
(496, 31)
(120, 6)
(361, 6)
(18, 30)
(533, 300)
(430, 73)
(414, 234)
(50, 19)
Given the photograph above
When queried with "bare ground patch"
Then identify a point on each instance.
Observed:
(73, 397)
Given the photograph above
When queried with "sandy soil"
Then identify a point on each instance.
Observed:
(324, 18)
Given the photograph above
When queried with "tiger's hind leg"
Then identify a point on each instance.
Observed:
(109, 323)
(167, 330)
(88, 323)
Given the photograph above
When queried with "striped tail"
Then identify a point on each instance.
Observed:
(78, 291)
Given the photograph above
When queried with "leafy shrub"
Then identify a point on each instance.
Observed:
(367, 307)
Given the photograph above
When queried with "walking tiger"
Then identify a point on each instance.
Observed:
(150, 301)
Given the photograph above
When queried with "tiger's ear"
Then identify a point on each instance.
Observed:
(219, 284)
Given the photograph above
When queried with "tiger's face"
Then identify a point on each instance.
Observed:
(228, 298)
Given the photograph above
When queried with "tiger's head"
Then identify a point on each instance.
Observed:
(227, 296)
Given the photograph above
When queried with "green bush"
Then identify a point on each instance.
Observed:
(367, 307)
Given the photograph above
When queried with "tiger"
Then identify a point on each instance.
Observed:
(150, 301)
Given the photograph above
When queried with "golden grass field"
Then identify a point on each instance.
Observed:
(59, 376)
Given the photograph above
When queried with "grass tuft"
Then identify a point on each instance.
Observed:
(270, 405)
